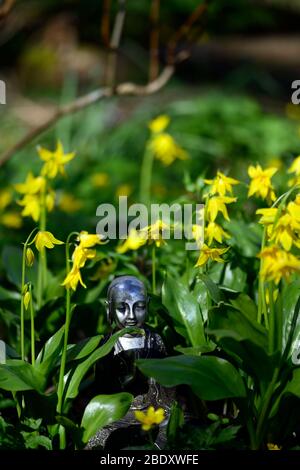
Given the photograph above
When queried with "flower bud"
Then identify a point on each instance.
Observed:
(27, 298)
(29, 257)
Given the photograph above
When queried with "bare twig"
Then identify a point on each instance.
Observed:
(105, 22)
(87, 100)
(184, 30)
(154, 40)
(6, 7)
(114, 43)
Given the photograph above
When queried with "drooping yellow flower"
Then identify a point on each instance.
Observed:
(295, 166)
(217, 204)
(54, 161)
(166, 149)
(268, 215)
(44, 239)
(271, 446)
(260, 184)
(134, 241)
(69, 204)
(32, 206)
(11, 220)
(197, 233)
(159, 124)
(221, 184)
(285, 232)
(100, 180)
(32, 185)
(81, 255)
(155, 232)
(213, 254)
(29, 256)
(150, 418)
(5, 198)
(88, 240)
(72, 279)
(277, 264)
(213, 232)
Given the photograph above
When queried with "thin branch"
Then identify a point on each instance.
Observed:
(184, 30)
(154, 40)
(115, 42)
(105, 22)
(6, 7)
(83, 102)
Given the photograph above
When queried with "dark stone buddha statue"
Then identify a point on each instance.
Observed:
(127, 305)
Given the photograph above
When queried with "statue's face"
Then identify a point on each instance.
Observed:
(128, 304)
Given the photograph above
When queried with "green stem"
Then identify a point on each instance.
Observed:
(263, 414)
(22, 291)
(272, 344)
(60, 389)
(153, 269)
(42, 266)
(146, 176)
(32, 327)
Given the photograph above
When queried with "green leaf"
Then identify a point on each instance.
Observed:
(74, 377)
(212, 288)
(83, 348)
(47, 357)
(17, 375)
(183, 307)
(291, 324)
(176, 421)
(103, 410)
(211, 378)
(239, 335)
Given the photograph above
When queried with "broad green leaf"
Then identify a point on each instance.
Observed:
(246, 341)
(183, 307)
(291, 323)
(212, 288)
(83, 348)
(74, 377)
(49, 354)
(17, 375)
(211, 378)
(103, 410)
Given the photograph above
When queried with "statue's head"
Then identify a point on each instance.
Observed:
(127, 302)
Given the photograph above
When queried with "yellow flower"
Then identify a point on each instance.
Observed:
(29, 256)
(217, 204)
(32, 185)
(32, 206)
(273, 446)
(277, 264)
(295, 166)
(26, 299)
(73, 278)
(214, 254)
(134, 241)
(124, 190)
(268, 215)
(11, 220)
(197, 233)
(100, 180)
(154, 233)
(5, 198)
(69, 204)
(284, 232)
(81, 255)
(221, 184)
(45, 239)
(150, 418)
(261, 182)
(55, 161)
(166, 149)
(159, 124)
(214, 231)
(88, 240)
